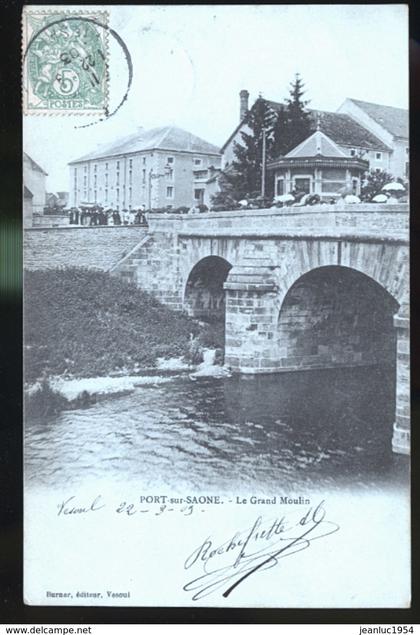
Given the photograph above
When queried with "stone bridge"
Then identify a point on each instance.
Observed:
(299, 288)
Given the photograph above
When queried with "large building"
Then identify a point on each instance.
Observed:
(156, 168)
(390, 125)
(34, 195)
(378, 134)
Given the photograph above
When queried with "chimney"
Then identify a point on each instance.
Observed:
(244, 96)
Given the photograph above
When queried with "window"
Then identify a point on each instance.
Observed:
(85, 194)
(85, 181)
(95, 167)
(106, 196)
(303, 184)
(144, 160)
(118, 165)
(106, 180)
(198, 162)
(130, 176)
(144, 176)
(170, 160)
(199, 195)
(280, 187)
(96, 195)
(332, 187)
(169, 192)
(118, 178)
(95, 180)
(378, 156)
(406, 150)
(352, 152)
(129, 193)
(170, 175)
(118, 193)
(106, 166)
(130, 163)
(85, 168)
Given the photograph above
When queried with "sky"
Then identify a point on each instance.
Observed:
(190, 62)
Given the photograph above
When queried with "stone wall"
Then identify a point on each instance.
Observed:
(367, 219)
(93, 247)
(50, 220)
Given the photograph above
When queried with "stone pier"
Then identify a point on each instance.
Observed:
(401, 434)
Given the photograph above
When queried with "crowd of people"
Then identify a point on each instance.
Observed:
(97, 215)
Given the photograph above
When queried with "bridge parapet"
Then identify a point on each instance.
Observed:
(364, 219)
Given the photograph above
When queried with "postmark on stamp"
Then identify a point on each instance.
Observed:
(65, 61)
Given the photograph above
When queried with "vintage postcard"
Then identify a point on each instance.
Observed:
(216, 308)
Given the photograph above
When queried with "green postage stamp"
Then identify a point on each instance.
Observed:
(65, 61)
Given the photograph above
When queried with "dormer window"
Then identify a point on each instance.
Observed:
(353, 152)
(378, 156)
(198, 162)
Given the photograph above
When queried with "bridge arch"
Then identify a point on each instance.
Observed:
(204, 296)
(386, 264)
(335, 316)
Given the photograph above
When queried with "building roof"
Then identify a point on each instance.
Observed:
(167, 138)
(345, 131)
(317, 144)
(27, 192)
(341, 128)
(395, 120)
(34, 165)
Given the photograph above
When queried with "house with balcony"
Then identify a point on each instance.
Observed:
(158, 168)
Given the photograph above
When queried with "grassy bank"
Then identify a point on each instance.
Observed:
(88, 323)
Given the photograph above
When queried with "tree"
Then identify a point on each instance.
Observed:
(247, 165)
(280, 133)
(226, 198)
(294, 124)
(374, 182)
(284, 128)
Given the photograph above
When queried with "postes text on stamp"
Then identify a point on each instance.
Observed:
(65, 61)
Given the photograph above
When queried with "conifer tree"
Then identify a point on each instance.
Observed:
(298, 117)
(293, 122)
(247, 165)
(285, 127)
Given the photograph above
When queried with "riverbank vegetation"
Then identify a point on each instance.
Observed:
(88, 323)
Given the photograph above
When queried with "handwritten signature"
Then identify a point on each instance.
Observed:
(257, 548)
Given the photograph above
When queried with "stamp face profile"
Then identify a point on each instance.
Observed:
(65, 66)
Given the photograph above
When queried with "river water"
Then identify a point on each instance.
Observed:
(328, 428)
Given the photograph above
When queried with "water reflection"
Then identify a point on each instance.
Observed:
(326, 428)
